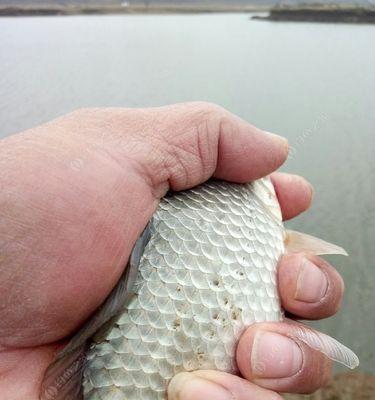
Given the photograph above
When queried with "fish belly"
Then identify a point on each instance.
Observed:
(208, 272)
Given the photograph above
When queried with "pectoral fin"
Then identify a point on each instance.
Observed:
(296, 242)
(327, 345)
(63, 378)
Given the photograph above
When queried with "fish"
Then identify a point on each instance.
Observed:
(204, 269)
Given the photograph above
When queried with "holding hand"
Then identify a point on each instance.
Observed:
(75, 195)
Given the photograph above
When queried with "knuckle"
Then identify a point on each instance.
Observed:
(208, 107)
(211, 112)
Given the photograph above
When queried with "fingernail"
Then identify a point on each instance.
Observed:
(312, 283)
(277, 138)
(186, 386)
(275, 356)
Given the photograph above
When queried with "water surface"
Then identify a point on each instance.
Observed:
(313, 83)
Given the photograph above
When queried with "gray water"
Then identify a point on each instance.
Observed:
(313, 83)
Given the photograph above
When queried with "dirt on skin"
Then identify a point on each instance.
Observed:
(349, 386)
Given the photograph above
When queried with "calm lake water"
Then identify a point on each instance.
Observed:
(313, 83)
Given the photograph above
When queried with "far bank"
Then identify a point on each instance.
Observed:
(344, 14)
(127, 9)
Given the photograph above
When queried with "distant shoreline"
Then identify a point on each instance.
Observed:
(343, 14)
(9, 11)
(347, 14)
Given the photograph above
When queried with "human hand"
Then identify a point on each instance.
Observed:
(75, 195)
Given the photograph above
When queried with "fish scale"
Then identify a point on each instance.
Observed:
(207, 272)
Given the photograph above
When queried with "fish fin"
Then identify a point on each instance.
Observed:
(121, 293)
(63, 379)
(327, 345)
(74, 352)
(301, 242)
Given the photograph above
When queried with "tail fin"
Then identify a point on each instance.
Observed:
(301, 242)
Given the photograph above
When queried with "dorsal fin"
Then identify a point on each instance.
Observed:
(63, 378)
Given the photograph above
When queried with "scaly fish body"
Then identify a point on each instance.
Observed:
(203, 272)
(208, 272)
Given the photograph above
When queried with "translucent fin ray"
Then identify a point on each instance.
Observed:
(63, 378)
(116, 299)
(327, 345)
(296, 242)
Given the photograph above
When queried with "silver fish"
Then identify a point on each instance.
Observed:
(203, 271)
